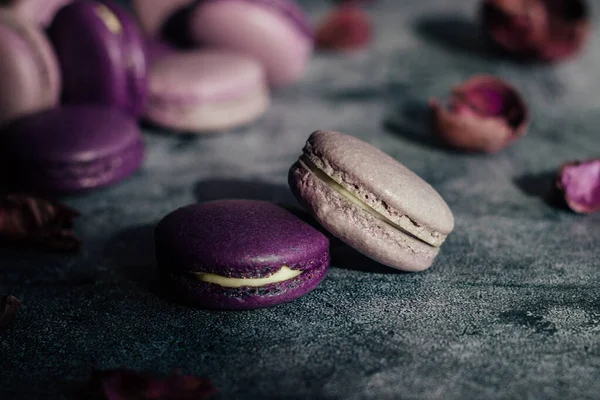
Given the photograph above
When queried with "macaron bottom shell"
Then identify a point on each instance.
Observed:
(357, 227)
(217, 297)
(208, 117)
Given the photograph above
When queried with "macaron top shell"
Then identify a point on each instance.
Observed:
(382, 183)
(205, 75)
(288, 8)
(102, 55)
(238, 238)
(40, 12)
(30, 74)
(69, 134)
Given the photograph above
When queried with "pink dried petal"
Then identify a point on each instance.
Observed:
(579, 184)
(9, 306)
(345, 28)
(546, 30)
(484, 114)
(123, 384)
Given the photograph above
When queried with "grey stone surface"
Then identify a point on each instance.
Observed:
(510, 309)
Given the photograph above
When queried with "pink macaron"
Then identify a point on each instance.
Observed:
(29, 72)
(152, 15)
(276, 32)
(40, 12)
(204, 90)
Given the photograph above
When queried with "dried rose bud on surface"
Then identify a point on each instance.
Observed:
(123, 384)
(545, 30)
(30, 220)
(346, 28)
(484, 114)
(578, 182)
(9, 306)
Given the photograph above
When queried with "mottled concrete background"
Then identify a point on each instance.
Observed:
(510, 309)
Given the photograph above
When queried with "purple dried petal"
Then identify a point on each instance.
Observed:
(484, 114)
(579, 184)
(41, 222)
(123, 384)
(9, 306)
(546, 30)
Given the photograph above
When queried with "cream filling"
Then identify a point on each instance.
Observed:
(319, 173)
(285, 273)
(109, 18)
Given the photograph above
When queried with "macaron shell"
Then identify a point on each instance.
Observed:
(205, 90)
(237, 238)
(382, 182)
(40, 12)
(256, 29)
(152, 14)
(358, 228)
(72, 148)
(29, 72)
(102, 61)
(212, 296)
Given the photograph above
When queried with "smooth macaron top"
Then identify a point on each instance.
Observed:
(68, 134)
(237, 238)
(288, 8)
(189, 77)
(382, 183)
(39, 12)
(102, 55)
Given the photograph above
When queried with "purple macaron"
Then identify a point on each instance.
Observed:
(71, 149)
(102, 57)
(276, 32)
(239, 254)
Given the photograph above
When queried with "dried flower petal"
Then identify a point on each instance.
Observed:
(9, 306)
(345, 28)
(31, 220)
(485, 114)
(123, 384)
(546, 30)
(579, 184)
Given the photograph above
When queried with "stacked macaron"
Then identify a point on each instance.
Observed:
(244, 254)
(219, 59)
(78, 89)
(70, 96)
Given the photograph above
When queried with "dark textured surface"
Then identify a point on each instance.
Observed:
(510, 308)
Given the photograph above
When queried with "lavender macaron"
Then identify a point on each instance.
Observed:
(29, 73)
(370, 201)
(276, 32)
(203, 91)
(71, 149)
(101, 53)
(239, 254)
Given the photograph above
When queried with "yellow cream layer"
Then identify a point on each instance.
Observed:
(284, 274)
(308, 164)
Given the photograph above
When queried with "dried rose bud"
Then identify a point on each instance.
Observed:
(9, 306)
(25, 219)
(123, 384)
(346, 28)
(546, 30)
(484, 114)
(578, 182)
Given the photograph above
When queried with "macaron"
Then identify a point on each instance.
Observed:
(276, 32)
(371, 201)
(205, 90)
(29, 73)
(101, 53)
(239, 254)
(39, 12)
(71, 149)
